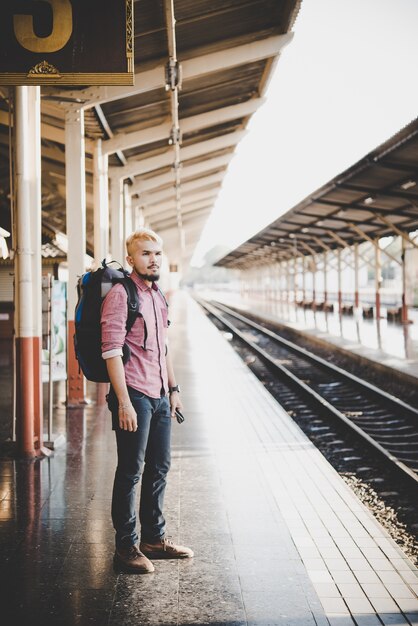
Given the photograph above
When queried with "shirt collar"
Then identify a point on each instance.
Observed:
(141, 283)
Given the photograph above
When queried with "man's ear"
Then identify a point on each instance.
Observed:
(130, 261)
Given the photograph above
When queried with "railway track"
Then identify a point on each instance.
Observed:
(383, 422)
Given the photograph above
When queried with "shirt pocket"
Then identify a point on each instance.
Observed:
(164, 317)
(140, 334)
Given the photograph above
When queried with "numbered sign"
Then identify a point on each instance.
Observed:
(66, 42)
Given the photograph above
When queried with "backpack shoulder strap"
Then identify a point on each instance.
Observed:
(133, 302)
(162, 293)
(166, 303)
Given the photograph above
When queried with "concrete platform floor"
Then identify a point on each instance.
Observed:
(279, 538)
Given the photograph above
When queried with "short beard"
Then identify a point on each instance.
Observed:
(151, 278)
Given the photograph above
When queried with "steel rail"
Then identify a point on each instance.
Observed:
(395, 463)
(380, 393)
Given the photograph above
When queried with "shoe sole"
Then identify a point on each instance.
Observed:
(123, 568)
(165, 555)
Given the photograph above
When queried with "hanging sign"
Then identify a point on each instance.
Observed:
(66, 42)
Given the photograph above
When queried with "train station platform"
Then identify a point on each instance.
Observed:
(279, 538)
(391, 347)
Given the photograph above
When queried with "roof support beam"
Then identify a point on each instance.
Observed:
(198, 65)
(124, 141)
(374, 242)
(386, 192)
(171, 204)
(135, 168)
(165, 194)
(309, 249)
(397, 230)
(51, 133)
(172, 224)
(346, 245)
(192, 208)
(366, 208)
(155, 182)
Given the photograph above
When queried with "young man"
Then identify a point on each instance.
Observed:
(143, 398)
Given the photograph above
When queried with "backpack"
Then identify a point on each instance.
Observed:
(92, 287)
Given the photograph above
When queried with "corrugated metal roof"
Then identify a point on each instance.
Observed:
(202, 27)
(379, 190)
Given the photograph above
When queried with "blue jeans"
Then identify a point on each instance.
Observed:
(145, 452)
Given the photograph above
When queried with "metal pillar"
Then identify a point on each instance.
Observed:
(377, 275)
(127, 212)
(303, 279)
(287, 280)
(76, 233)
(279, 289)
(101, 226)
(28, 272)
(36, 236)
(356, 271)
(340, 303)
(101, 203)
(313, 284)
(404, 314)
(295, 274)
(325, 277)
(117, 248)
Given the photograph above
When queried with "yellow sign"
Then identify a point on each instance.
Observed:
(66, 42)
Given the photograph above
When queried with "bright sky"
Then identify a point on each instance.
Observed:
(346, 83)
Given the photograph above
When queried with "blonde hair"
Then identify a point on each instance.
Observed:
(142, 234)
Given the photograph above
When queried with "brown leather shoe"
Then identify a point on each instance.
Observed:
(165, 549)
(132, 559)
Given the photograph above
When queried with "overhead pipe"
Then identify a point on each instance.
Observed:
(173, 84)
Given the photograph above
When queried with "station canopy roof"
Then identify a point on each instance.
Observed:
(227, 51)
(376, 197)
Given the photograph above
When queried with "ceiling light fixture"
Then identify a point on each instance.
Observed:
(369, 200)
(409, 184)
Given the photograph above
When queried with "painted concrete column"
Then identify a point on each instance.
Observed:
(101, 203)
(404, 314)
(287, 278)
(76, 233)
(36, 235)
(127, 213)
(295, 273)
(116, 219)
(325, 277)
(356, 277)
(28, 272)
(313, 284)
(340, 304)
(280, 273)
(377, 270)
(303, 279)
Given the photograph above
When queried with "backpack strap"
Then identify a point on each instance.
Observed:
(166, 303)
(165, 299)
(133, 302)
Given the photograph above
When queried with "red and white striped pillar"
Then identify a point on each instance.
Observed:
(356, 277)
(75, 182)
(378, 276)
(28, 272)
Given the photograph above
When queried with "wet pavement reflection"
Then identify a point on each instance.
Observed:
(57, 540)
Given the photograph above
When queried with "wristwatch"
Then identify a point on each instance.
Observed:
(175, 388)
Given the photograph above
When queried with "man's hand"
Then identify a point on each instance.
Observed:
(127, 418)
(175, 403)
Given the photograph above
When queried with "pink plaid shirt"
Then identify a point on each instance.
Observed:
(146, 370)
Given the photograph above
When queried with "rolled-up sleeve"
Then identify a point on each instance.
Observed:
(113, 322)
